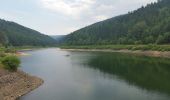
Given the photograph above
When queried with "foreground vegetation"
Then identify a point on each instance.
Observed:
(122, 47)
(14, 83)
(8, 60)
(11, 63)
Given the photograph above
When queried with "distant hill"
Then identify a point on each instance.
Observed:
(18, 35)
(147, 25)
(57, 37)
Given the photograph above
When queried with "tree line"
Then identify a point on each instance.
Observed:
(146, 25)
(14, 34)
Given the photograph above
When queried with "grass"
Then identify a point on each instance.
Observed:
(17, 48)
(122, 47)
(2, 49)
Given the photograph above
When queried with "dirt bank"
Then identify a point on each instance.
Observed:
(16, 84)
(165, 54)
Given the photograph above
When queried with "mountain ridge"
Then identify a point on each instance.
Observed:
(18, 35)
(146, 25)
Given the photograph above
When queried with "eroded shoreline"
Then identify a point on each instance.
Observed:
(164, 54)
(16, 84)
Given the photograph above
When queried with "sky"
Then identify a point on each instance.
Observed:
(61, 17)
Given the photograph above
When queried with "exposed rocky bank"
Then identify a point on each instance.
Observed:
(15, 84)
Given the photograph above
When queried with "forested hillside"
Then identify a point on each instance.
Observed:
(17, 35)
(3, 38)
(147, 25)
(58, 38)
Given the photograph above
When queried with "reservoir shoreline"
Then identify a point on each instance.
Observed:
(96, 75)
(150, 53)
(16, 84)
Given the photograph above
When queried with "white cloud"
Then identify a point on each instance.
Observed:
(100, 17)
(75, 14)
(92, 8)
(64, 16)
(68, 7)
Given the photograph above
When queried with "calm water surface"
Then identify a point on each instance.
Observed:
(97, 76)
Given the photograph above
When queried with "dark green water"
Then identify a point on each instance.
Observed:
(97, 76)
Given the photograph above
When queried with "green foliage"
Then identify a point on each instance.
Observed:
(10, 50)
(163, 38)
(2, 54)
(122, 47)
(14, 34)
(11, 63)
(3, 39)
(147, 25)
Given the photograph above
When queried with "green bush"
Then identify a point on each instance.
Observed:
(10, 50)
(11, 63)
(2, 54)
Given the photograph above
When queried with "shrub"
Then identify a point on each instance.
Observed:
(11, 63)
(2, 54)
(10, 50)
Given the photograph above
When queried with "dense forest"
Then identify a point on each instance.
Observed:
(14, 34)
(58, 38)
(147, 25)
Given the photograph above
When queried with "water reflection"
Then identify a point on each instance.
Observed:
(96, 76)
(146, 72)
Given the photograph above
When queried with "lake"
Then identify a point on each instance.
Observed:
(77, 75)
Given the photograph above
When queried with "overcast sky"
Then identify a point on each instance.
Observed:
(58, 17)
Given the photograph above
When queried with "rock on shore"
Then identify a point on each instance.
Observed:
(15, 84)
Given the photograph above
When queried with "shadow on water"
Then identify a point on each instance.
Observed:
(145, 72)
